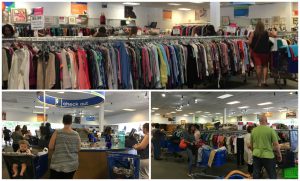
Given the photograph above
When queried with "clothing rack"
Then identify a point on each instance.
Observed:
(224, 131)
(119, 38)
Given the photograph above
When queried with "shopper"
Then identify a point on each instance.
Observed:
(263, 140)
(8, 31)
(7, 135)
(143, 152)
(66, 144)
(189, 139)
(24, 130)
(156, 139)
(210, 31)
(23, 149)
(133, 31)
(101, 32)
(107, 136)
(247, 150)
(260, 50)
(16, 136)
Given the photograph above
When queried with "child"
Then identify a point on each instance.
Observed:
(23, 148)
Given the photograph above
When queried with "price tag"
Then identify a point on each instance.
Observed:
(37, 22)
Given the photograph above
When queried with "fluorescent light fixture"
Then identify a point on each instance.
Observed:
(224, 96)
(97, 106)
(157, 114)
(264, 103)
(233, 102)
(268, 108)
(155, 108)
(191, 113)
(196, 2)
(108, 111)
(184, 9)
(178, 110)
(37, 112)
(132, 3)
(243, 107)
(128, 110)
(174, 4)
(218, 113)
(163, 95)
(204, 116)
(173, 112)
(41, 107)
(291, 93)
(185, 115)
(206, 112)
(61, 92)
(198, 111)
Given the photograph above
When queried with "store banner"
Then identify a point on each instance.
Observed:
(37, 22)
(241, 11)
(7, 6)
(79, 8)
(38, 11)
(167, 14)
(71, 103)
(19, 15)
(62, 20)
(90, 118)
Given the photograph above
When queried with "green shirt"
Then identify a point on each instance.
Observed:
(262, 139)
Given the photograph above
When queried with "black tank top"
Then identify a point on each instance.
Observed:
(260, 43)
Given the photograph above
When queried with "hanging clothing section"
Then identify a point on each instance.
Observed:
(146, 64)
(189, 30)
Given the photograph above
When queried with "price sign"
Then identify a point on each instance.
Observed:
(37, 22)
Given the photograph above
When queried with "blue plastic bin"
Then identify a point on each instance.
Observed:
(219, 159)
(123, 160)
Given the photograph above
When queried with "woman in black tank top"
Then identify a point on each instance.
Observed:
(260, 52)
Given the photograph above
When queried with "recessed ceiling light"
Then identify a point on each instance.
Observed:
(243, 107)
(157, 114)
(174, 4)
(185, 115)
(173, 112)
(41, 107)
(268, 108)
(132, 3)
(155, 108)
(108, 111)
(128, 110)
(191, 113)
(291, 93)
(233, 102)
(264, 103)
(60, 92)
(163, 95)
(97, 106)
(225, 96)
(184, 9)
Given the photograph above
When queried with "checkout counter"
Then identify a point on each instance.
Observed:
(93, 163)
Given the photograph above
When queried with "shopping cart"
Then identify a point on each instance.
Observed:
(37, 166)
(171, 150)
(123, 165)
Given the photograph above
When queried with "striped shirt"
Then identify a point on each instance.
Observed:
(65, 156)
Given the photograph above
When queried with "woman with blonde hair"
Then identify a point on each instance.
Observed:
(260, 50)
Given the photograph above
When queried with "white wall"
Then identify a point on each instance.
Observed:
(129, 117)
(262, 11)
(188, 119)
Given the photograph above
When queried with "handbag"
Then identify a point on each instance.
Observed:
(182, 144)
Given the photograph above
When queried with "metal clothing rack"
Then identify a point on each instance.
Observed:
(114, 38)
(224, 131)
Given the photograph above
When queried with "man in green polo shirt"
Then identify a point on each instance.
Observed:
(264, 140)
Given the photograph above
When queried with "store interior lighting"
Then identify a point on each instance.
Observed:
(264, 103)
(130, 110)
(233, 102)
(225, 96)
(184, 9)
(132, 3)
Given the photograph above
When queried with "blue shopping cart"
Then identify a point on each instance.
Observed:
(123, 165)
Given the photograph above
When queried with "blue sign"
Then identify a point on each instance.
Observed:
(71, 103)
(90, 118)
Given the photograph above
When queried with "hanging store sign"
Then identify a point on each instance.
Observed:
(18, 15)
(90, 118)
(167, 14)
(38, 11)
(78, 8)
(98, 98)
(7, 6)
(37, 22)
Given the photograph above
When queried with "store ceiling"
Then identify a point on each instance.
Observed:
(208, 102)
(114, 102)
